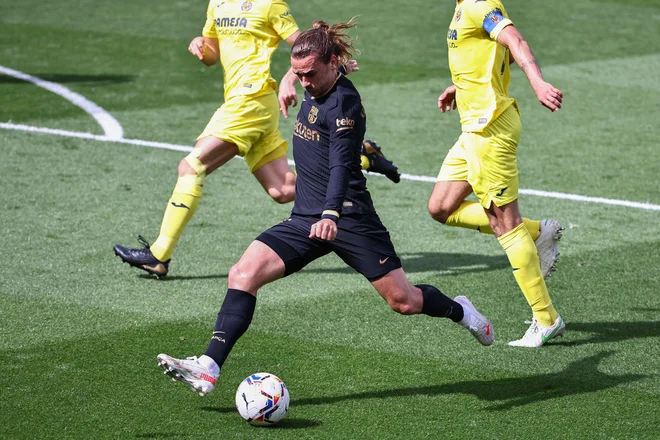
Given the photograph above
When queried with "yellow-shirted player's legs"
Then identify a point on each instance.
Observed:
(209, 154)
(471, 215)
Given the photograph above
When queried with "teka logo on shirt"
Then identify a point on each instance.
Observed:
(345, 122)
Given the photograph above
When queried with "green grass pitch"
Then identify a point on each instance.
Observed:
(80, 332)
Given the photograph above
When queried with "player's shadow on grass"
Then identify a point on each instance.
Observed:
(611, 331)
(284, 424)
(443, 263)
(63, 78)
(186, 277)
(579, 377)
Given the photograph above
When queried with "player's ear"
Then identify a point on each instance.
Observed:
(334, 62)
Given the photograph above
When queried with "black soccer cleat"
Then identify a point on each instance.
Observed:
(378, 163)
(142, 258)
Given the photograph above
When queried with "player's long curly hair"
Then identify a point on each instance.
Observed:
(324, 41)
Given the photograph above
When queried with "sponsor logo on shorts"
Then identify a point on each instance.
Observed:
(500, 192)
(383, 261)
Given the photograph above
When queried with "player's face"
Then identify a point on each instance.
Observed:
(315, 76)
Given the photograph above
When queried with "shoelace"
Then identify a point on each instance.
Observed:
(143, 241)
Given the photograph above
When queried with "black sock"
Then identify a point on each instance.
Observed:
(233, 320)
(438, 305)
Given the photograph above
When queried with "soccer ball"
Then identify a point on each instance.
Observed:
(262, 399)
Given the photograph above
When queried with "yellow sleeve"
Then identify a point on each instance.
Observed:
(209, 26)
(280, 18)
(489, 15)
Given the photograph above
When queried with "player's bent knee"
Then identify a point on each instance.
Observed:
(439, 213)
(282, 195)
(191, 165)
(400, 302)
(241, 277)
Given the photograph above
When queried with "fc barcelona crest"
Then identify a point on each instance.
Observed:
(313, 114)
(246, 6)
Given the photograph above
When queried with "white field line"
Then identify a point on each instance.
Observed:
(111, 127)
(184, 148)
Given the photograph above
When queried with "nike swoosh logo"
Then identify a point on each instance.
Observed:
(552, 335)
(179, 205)
(383, 261)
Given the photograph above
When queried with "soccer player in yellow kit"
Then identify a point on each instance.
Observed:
(482, 42)
(242, 35)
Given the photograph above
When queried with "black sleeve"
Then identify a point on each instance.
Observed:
(347, 126)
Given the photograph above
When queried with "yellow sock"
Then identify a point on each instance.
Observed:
(520, 248)
(364, 162)
(179, 211)
(471, 215)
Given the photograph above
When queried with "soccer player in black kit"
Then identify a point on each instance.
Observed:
(332, 212)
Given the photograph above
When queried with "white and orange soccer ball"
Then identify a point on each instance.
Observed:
(262, 399)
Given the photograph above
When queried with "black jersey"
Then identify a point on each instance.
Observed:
(326, 148)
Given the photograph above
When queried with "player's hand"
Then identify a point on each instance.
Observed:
(325, 229)
(351, 66)
(447, 100)
(549, 96)
(287, 97)
(196, 47)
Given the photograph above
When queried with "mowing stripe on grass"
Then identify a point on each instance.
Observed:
(111, 127)
(411, 177)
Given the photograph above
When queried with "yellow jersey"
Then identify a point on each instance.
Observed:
(248, 33)
(479, 65)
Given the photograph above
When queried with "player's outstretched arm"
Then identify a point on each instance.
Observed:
(547, 94)
(447, 100)
(205, 49)
(287, 91)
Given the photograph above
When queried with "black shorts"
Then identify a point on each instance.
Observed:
(362, 242)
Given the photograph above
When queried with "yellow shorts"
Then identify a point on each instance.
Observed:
(487, 160)
(251, 123)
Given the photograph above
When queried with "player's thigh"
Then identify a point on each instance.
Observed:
(364, 244)
(211, 152)
(492, 164)
(243, 121)
(277, 178)
(270, 146)
(454, 165)
(290, 241)
(258, 266)
(503, 218)
(446, 196)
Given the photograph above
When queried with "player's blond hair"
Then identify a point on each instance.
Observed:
(324, 41)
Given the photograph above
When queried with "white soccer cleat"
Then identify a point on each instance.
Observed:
(547, 245)
(475, 322)
(537, 335)
(188, 371)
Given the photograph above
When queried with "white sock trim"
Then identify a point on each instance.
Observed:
(209, 364)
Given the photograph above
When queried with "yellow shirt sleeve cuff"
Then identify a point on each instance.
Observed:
(497, 29)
